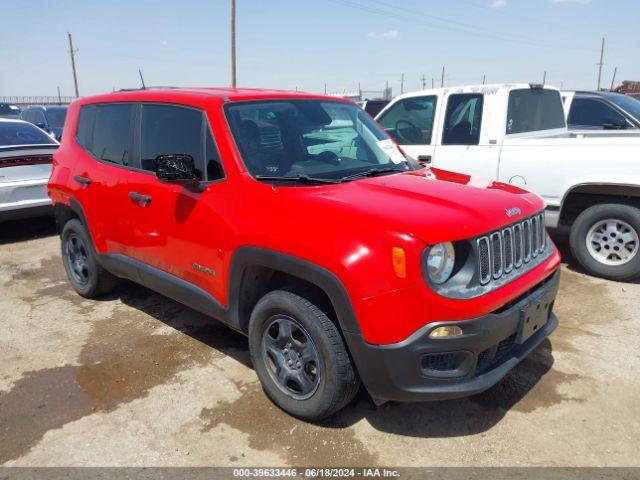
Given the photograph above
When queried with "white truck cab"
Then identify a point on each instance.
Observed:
(517, 134)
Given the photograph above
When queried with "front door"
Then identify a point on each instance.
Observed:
(461, 146)
(177, 227)
(410, 122)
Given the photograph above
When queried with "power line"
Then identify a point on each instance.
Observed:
(465, 29)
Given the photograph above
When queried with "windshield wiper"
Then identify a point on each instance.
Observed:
(372, 172)
(296, 178)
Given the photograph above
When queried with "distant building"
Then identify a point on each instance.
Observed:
(629, 87)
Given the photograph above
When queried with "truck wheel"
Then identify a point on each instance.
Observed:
(300, 357)
(87, 277)
(605, 239)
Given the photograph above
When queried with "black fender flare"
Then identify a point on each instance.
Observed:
(248, 256)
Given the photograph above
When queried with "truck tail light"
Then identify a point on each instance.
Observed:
(20, 161)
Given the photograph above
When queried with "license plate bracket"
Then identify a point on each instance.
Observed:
(533, 318)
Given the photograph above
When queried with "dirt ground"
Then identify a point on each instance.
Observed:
(136, 379)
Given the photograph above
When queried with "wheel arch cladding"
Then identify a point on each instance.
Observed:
(254, 270)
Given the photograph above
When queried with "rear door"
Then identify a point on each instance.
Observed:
(101, 176)
(462, 145)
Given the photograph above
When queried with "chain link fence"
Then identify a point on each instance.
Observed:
(37, 100)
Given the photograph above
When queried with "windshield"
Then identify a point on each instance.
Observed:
(314, 138)
(627, 103)
(57, 116)
(20, 133)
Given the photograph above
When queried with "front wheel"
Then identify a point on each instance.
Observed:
(605, 240)
(300, 357)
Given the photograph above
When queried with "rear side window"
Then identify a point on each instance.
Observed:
(84, 132)
(105, 131)
(410, 121)
(534, 109)
(169, 130)
(591, 112)
(463, 119)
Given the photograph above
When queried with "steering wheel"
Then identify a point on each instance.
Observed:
(328, 157)
(416, 133)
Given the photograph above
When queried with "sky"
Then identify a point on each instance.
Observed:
(307, 44)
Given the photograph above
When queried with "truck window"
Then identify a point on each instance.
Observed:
(534, 109)
(168, 130)
(590, 112)
(463, 119)
(410, 121)
(110, 140)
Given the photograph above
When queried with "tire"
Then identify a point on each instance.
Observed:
(86, 275)
(333, 380)
(604, 230)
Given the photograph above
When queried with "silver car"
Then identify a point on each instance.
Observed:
(26, 154)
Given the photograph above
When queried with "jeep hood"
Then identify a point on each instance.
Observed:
(431, 204)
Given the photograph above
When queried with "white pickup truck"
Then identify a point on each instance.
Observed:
(517, 134)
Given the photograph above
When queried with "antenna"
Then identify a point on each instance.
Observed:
(142, 79)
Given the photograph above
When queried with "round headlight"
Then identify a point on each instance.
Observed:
(440, 262)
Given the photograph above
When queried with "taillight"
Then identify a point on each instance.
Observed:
(26, 160)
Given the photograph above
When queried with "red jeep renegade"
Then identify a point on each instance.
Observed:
(295, 219)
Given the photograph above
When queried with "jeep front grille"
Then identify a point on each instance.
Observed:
(509, 249)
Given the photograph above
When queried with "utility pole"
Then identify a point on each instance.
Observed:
(72, 52)
(325, 88)
(442, 79)
(59, 97)
(233, 44)
(484, 78)
(613, 80)
(601, 63)
(544, 78)
(142, 80)
(387, 95)
(401, 84)
(433, 82)
(424, 81)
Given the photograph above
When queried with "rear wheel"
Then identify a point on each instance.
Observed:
(87, 277)
(605, 239)
(300, 357)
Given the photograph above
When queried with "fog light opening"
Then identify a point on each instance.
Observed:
(446, 331)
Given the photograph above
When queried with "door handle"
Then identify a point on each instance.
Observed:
(424, 158)
(142, 200)
(82, 180)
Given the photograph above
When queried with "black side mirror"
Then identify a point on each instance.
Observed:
(41, 125)
(176, 168)
(615, 126)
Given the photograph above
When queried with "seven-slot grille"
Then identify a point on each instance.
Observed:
(510, 248)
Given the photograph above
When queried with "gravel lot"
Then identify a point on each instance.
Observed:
(136, 379)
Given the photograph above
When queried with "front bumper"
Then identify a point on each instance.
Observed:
(422, 368)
